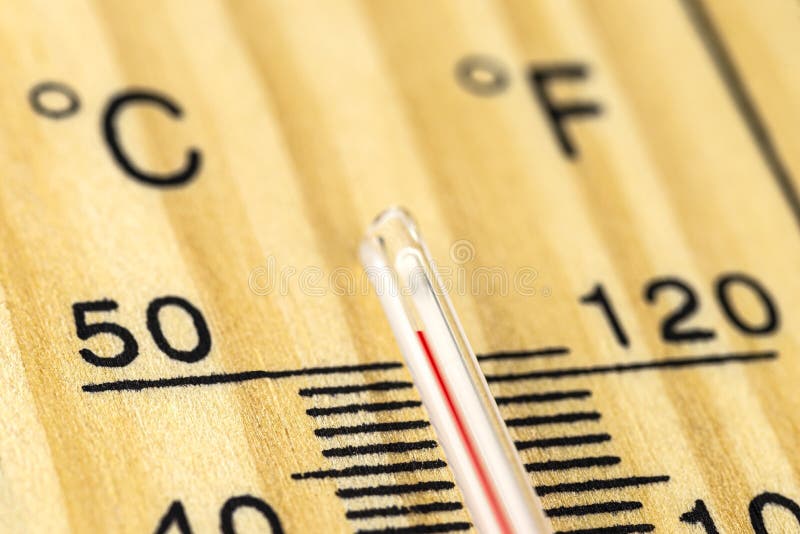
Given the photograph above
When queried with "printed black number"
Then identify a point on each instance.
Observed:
(247, 501)
(758, 504)
(598, 296)
(699, 515)
(130, 348)
(176, 518)
(673, 328)
(771, 319)
(203, 346)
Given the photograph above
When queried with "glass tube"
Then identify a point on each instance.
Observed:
(454, 391)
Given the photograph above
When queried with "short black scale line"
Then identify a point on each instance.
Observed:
(572, 463)
(379, 448)
(228, 378)
(364, 407)
(355, 388)
(420, 529)
(559, 418)
(615, 529)
(599, 484)
(548, 396)
(562, 441)
(738, 92)
(366, 428)
(371, 469)
(671, 363)
(608, 507)
(523, 354)
(393, 511)
(394, 489)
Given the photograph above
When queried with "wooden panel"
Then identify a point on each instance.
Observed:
(311, 117)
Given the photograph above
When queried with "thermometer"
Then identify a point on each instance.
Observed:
(455, 393)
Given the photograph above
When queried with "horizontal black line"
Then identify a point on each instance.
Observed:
(548, 396)
(394, 489)
(367, 470)
(364, 407)
(326, 432)
(610, 507)
(572, 463)
(616, 529)
(391, 511)
(562, 441)
(600, 484)
(671, 363)
(559, 418)
(523, 354)
(229, 378)
(378, 448)
(419, 529)
(354, 388)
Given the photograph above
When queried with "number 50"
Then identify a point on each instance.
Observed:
(130, 347)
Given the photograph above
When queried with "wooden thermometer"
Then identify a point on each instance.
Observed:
(599, 334)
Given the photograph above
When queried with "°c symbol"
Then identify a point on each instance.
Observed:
(482, 75)
(54, 100)
(110, 122)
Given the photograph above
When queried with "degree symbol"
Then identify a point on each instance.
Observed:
(54, 100)
(482, 75)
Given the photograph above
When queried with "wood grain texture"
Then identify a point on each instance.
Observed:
(311, 118)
